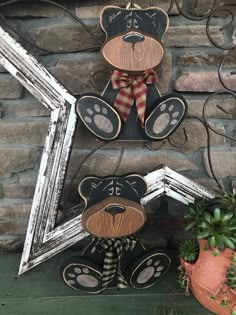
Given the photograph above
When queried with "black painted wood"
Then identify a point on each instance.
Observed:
(152, 21)
(95, 189)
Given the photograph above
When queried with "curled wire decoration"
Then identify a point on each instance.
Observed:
(94, 78)
(205, 125)
(171, 6)
(213, 42)
(172, 2)
(192, 17)
(149, 145)
(220, 69)
(209, 128)
(178, 146)
(120, 159)
(97, 40)
(204, 114)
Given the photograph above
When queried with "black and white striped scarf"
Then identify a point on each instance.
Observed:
(114, 249)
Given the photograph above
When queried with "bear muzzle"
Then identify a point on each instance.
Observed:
(133, 38)
(113, 217)
(115, 209)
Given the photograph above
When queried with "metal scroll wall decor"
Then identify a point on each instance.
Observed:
(44, 238)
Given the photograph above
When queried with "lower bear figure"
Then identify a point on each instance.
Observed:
(115, 258)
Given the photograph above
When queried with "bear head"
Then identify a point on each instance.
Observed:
(133, 37)
(112, 205)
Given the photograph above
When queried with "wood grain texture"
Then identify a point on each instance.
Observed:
(133, 58)
(100, 223)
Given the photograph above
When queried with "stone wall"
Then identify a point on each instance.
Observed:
(190, 68)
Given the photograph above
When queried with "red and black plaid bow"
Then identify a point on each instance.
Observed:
(130, 89)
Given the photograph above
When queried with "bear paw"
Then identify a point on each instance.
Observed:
(82, 275)
(99, 117)
(165, 118)
(148, 270)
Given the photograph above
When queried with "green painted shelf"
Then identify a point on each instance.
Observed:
(41, 291)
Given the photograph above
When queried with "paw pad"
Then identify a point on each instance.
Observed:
(148, 270)
(165, 118)
(152, 269)
(82, 278)
(99, 117)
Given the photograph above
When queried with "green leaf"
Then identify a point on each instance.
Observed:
(208, 217)
(232, 228)
(217, 214)
(203, 234)
(227, 216)
(213, 241)
(189, 226)
(204, 225)
(228, 242)
(220, 242)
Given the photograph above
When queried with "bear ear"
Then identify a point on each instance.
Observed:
(88, 185)
(137, 183)
(157, 21)
(109, 19)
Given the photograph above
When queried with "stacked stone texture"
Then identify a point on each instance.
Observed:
(189, 68)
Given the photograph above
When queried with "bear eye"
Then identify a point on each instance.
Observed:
(136, 23)
(129, 23)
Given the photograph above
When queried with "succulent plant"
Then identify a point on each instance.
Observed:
(231, 274)
(218, 228)
(214, 221)
(189, 250)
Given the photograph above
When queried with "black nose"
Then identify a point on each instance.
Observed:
(133, 38)
(113, 210)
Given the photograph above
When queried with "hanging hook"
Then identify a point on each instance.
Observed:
(131, 4)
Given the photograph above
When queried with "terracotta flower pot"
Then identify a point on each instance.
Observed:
(207, 278)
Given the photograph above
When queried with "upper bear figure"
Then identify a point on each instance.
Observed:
(131, 107)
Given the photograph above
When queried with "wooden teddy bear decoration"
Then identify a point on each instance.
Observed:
(114, 258)
(131, 107)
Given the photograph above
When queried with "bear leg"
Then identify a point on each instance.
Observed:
(99, 117)
(148, 269)
(166, 117)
